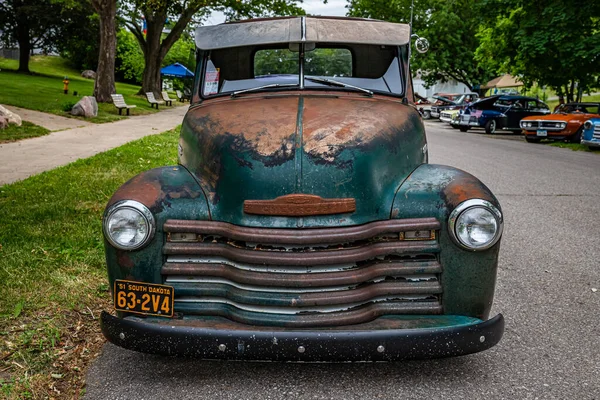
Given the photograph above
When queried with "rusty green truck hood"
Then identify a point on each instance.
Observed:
(334, 146)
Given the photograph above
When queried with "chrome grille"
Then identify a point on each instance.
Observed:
(596, 131)
(304, 277)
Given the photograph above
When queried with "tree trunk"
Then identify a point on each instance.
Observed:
(151, 77)
(570, 92)
(153, 54)
(105, 75)
(156, 49)
(24, 41)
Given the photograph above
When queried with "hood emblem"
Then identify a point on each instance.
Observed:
(299, 205)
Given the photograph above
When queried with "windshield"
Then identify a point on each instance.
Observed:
(577, 108)
(358, 68)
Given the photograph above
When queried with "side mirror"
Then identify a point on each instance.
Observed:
(422, 45)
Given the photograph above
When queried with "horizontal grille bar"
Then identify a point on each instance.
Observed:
(349, 277)
(327, 257)
(300, 236)
(311, 299)
(304, 277)
(356, 315)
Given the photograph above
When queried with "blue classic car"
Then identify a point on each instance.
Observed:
(500, 112)
(591, 133)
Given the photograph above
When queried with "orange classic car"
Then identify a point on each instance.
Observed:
(565, 123)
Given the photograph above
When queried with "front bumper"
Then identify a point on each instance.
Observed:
(590, 143)
(454, 336)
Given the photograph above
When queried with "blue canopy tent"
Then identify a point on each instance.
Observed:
(178, 71)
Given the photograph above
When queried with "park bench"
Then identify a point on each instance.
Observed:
(180, 95)
(167, 99)
(152, 100)
(120, 103)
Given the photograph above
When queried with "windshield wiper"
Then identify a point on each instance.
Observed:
(331, 82)
(272, 85)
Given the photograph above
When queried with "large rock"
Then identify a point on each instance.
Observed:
(86, 107)
(89, 74)
(10, 116)
(3, 123)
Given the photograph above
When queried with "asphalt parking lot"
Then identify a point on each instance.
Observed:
(549, 268)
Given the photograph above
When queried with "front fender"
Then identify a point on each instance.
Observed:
(468, 278)
(169, 193)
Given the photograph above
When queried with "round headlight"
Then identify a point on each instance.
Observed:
(128, 225)
(588, 125)
(476, 224)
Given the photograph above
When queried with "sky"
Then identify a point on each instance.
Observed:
(316, 7)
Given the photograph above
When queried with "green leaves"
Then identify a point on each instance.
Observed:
(551, 42)
(18, 308)
(450, 27)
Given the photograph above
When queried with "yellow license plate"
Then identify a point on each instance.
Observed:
(144, 298)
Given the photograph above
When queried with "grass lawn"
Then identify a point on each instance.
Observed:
(572, 146)
(25, 131)
(52, 270)
(585, 98)
(43, 89)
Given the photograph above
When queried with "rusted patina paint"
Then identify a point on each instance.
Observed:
(326, 257)
(260, 147)
(157, 187)
(301, 236)
(298, 205)
(464, 187)
(331, 125)
(353, 316)
(354, 276)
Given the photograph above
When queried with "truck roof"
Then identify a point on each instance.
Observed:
(268, 31)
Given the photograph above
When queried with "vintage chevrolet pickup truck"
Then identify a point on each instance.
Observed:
(303, 221)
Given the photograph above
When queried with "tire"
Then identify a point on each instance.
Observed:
(532, 139)
(463, 128)
(426, 114)
(490, 127)
(455, 126)
(576, 138)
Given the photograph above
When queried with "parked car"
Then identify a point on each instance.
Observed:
(566, 123)
(500, 112)
(303, 221)
(449, 115)
(425, 108)
(457, 103)
(591, 133)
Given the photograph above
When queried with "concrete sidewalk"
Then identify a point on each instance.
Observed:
(49, 121)
(22, 159)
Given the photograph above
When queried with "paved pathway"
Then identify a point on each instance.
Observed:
(19, 160)
(48, 121)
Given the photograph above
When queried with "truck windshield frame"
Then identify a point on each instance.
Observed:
(395, 73)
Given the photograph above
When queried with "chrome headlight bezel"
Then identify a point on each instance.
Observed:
(588, 125)
(468, 205)
(142, 210)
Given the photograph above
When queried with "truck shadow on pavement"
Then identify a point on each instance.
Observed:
(119, 369)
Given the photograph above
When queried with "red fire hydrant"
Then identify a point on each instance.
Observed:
(66, 85)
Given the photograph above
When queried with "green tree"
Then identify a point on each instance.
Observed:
(78, 36)
(155, 45)
(451, 28)
(129, 61)
(551, 42)
(30, 24)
